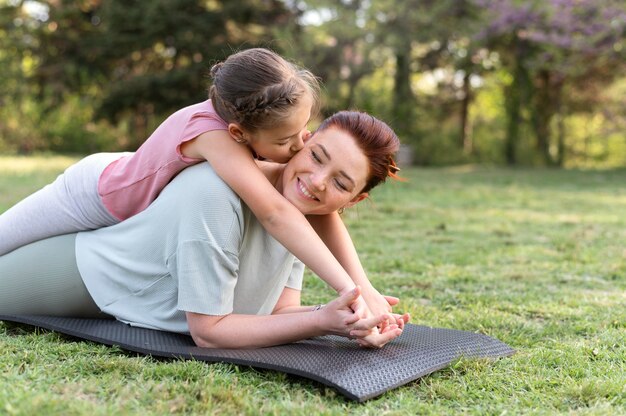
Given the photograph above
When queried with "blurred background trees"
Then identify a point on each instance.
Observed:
(461, 81)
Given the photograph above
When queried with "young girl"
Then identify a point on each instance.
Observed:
(259, 106)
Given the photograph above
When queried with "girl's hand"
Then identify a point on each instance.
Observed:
(382, 305)
(377, 303)
(400, 320)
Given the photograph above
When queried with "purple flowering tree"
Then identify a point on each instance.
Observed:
(550, 48)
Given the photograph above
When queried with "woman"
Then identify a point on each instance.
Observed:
(206, 266)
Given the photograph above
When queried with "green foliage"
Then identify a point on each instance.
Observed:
(31, 126)
(119, 67)
(127, 62)
(534, 258)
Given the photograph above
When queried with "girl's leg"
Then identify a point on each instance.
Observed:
(42, 279)
(70, 204)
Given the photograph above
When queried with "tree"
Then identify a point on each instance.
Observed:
(157, 54)
(334, 43)
(548, 45)
(130, 60)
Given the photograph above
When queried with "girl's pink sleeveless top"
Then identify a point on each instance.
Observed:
(128, 185)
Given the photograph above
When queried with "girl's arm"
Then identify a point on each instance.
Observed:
(334, 233)
(255, 331)
(233, 162)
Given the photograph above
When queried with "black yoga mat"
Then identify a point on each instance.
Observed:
(357, 373)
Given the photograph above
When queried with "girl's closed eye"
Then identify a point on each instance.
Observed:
(315, 157)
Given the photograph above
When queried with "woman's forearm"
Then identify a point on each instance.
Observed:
(298, 309)
(253, 331)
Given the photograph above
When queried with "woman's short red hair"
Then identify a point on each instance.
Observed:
(377, 140)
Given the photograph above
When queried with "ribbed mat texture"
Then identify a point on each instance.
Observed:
(357, 373)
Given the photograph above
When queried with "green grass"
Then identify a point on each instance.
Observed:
(535, 258)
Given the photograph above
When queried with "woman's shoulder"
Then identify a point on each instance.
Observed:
(200, 203)
(271, 170)
(202, 183)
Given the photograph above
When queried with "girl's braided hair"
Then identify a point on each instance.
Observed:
(258, 89)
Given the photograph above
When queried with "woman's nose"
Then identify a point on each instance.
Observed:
(318, 181)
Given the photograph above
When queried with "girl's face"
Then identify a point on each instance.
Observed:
(328, 174)
(281, 143)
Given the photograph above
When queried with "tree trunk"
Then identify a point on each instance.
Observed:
(516, 95)
(560, 114)
(542, 112)
(403, 99)
(466, 129)
(513, 118)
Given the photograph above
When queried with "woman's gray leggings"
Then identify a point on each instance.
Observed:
(42, 278)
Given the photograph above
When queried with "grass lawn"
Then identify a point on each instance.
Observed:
(535, 258)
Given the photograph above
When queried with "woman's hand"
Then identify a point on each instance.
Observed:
(338, 318)
(368, 335)
(358, 305)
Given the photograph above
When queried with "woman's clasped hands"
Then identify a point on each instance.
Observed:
(339, 318)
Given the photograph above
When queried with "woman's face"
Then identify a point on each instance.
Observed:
(327, 174)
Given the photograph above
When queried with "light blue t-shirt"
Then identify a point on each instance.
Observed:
(196, 248)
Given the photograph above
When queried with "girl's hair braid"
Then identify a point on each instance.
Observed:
(257, 88)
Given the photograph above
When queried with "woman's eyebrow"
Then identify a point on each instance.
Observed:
(343, 173)
(325, 151)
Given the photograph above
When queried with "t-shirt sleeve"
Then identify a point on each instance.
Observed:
(207, 275)
(198, 123)
(295, 277)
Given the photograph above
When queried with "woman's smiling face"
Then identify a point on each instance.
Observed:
(327, 174)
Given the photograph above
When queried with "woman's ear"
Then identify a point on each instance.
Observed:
(237, 133)
(360, 197)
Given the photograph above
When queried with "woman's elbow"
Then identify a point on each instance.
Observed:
(203, 342)
(203, 330)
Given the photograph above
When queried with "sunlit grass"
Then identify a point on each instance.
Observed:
(21, 175)
(25, 165)
(535, 258)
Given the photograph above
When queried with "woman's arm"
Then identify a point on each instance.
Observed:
(289, 302)
(233, 163)
(254, 331)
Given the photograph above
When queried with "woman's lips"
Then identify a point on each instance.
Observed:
(305, 191)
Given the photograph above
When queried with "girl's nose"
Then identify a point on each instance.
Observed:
(297, 144)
